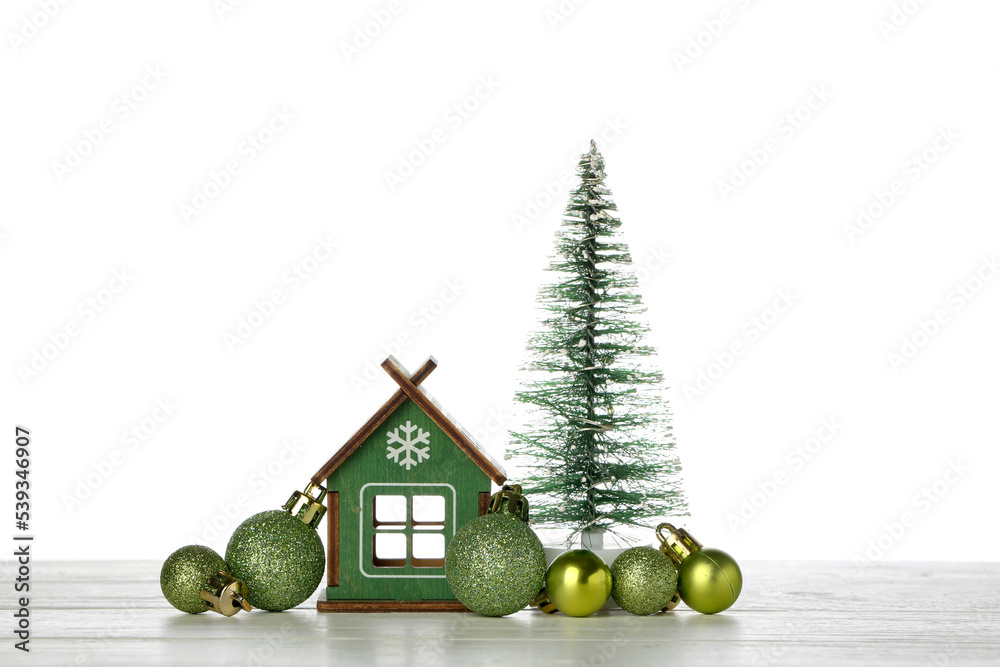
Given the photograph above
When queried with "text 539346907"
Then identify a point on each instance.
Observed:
(22, 540)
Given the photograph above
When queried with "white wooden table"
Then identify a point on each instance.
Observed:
(802, 613)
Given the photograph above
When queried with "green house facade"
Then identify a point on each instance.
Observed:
(398, 491)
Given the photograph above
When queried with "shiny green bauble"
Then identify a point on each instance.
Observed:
(709, 581)
(279, 558)
(643, 580)
(185, 573)
(495, 564)
(578, 582)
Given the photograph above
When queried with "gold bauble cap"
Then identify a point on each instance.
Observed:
(677, 544)
(307, 506)
(509, 499)
(224, 594)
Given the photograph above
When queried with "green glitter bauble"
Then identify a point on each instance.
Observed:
(643, 580)
(495, 564)
(279, 558)
(185, 573)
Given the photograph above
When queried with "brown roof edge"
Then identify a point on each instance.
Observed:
(373, 423)
(451, 429)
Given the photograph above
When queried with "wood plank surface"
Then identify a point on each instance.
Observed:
(801, 613)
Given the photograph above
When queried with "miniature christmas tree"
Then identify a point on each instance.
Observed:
(598, 444)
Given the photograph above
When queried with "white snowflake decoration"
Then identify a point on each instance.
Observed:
(408, 445)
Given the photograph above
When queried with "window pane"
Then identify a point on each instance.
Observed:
(428, 510)
(389, 550)
(428, 550)
(390, 510)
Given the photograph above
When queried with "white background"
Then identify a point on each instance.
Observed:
(671, 132)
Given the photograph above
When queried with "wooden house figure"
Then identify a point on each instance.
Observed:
(398, 491)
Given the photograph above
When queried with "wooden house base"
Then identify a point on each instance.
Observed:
(383, 606)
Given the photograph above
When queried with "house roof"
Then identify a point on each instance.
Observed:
(409, 388)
